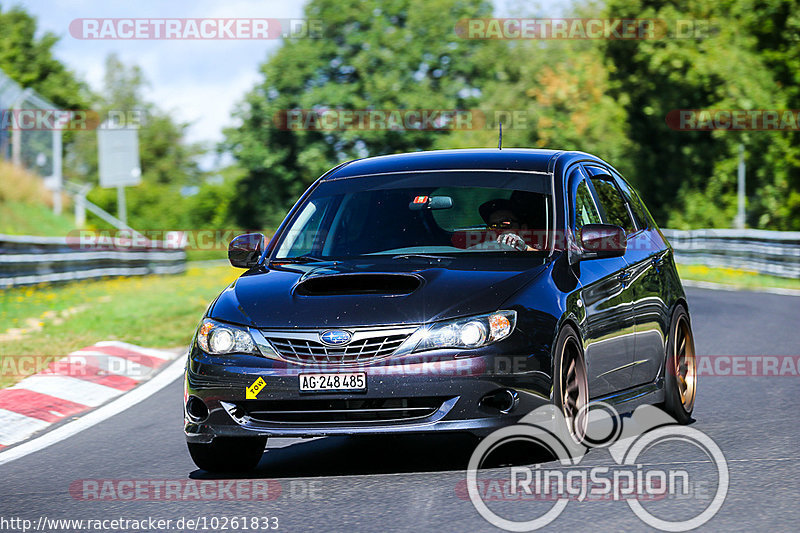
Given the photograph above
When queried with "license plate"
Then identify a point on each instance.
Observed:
(340, 381)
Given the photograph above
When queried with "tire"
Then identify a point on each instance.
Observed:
(570, 383)
(680, 369)
(228, 454)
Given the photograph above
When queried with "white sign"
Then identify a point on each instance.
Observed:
(118, 157)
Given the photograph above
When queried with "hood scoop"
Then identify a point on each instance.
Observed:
(342, 284)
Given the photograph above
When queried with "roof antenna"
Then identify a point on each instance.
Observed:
(500, 142)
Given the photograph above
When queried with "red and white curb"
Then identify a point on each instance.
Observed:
(75, 384)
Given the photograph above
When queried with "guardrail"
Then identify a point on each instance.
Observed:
(27, 260)
(769, 252)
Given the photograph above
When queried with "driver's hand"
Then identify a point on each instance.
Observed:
(513, 240)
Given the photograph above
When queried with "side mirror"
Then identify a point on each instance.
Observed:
(602, 240)
(245, 250)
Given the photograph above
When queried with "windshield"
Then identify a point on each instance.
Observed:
(434, 213)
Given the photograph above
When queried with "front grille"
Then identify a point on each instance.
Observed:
(308, 351)
(365, 347)
(330, 411)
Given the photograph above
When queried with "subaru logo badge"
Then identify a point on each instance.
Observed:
(335, 337)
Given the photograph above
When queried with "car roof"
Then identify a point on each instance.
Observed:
(467, 159)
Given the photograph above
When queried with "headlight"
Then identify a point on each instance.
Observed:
(471, 332)
(217, 338)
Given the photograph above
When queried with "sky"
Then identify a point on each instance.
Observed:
(198, 81)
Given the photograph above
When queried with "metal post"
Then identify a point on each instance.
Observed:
(16, 140)
(740, 214)
(16, 130)
(58, 179)
(80, 210)
(122, 213)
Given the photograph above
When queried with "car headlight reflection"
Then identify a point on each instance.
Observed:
(470, 332)
(217, 338)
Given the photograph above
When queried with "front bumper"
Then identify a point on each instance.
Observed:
(430, 392)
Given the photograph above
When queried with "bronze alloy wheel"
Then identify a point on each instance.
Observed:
(685, 363)
(574, 389)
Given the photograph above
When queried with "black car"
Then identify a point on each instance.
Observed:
(440, 291)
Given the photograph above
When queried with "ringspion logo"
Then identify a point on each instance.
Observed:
(546, 491)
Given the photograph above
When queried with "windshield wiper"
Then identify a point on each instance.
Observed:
(301, 259)
(421, 256)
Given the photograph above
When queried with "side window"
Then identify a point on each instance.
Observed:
(635, 203)
(585, 210)
(612, 203)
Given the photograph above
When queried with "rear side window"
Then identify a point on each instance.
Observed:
(635, 203)
(585, 209)
(612, 203)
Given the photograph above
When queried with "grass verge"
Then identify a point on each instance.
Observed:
(18, 218)
(26, 205)
(152, 311)
(740, 278)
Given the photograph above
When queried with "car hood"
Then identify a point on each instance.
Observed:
(300, 296)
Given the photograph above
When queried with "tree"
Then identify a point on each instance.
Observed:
(689, 178)
(29, 61)
(372, 55)
(551, 94)
(168, 163)
(776, 28)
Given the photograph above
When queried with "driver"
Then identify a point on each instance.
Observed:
(500, 215)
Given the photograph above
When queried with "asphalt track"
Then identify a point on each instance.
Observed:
(348, 484)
